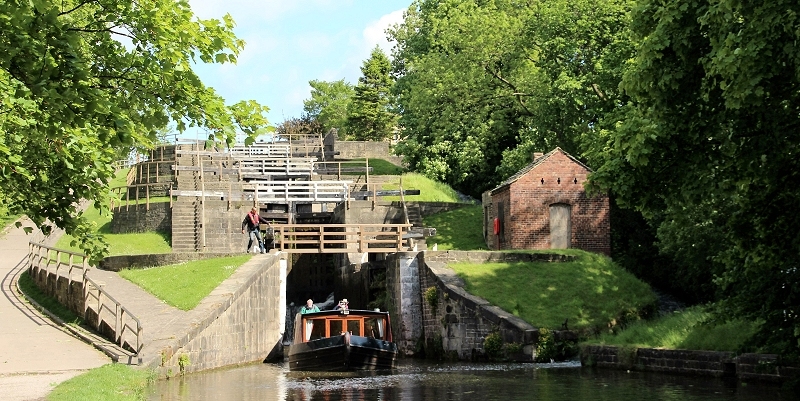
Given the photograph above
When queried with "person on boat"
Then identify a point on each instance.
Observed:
(343, 305)
(309, 307)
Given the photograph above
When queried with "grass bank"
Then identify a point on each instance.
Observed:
(591, 293)
(460, 229)
(185, 285)
(689, 329)
(430, 190)
(113, 382)
(120, 244)
(379, 167)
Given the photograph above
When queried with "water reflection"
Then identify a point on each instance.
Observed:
(421, 380)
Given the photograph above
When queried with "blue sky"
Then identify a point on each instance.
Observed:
(290, 42)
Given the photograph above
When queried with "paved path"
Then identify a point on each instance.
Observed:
(35, 354)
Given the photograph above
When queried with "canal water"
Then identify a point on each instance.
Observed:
(423, 380)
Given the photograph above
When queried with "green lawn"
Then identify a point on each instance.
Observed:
(379, 167)
(430, 190)
(460, 229)
(686, 329)
(185, 285)
(591, 292)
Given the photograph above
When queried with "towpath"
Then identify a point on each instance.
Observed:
(35, 353)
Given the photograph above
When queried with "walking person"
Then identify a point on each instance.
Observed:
(251, 223)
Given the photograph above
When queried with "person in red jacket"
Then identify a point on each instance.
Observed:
(251, 223)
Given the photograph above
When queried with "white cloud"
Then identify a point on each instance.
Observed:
(375, 32)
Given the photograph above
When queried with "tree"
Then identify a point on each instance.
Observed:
(483, 84)
(299, 126)
(710, 151)
(369, 115)
(80, 79)
(328, 104)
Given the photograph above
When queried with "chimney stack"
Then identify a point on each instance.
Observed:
(537, 155)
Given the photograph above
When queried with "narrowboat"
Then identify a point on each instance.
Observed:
(341, 340)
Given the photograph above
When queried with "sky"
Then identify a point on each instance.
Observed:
(291, 42)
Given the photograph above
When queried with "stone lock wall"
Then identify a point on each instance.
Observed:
(245, 324)
(457, 323)
(450, 322)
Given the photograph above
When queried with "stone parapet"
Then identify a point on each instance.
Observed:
(489, 256)
(763, 367)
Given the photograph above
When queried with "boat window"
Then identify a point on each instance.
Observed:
(373, 328)
(317, 329)
(354, 327)
(337, 327)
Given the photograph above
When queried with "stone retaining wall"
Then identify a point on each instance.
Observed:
(138, 219)
(453, 323)
(117, 263)
(697, 363)
(244, 323)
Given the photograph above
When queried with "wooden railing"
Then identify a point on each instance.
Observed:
(121, 196)
(340, 238)
(338, 168)
(296, 191)
(141, 172)
(123, 320)
(281, 150)
(277, 166)
(62, 263)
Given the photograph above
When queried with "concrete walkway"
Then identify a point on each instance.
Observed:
(35, 353)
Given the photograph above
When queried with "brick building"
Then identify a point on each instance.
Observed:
(545, 206)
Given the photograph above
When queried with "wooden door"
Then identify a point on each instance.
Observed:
(560, 225)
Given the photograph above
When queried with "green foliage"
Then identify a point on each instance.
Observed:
(112, 382)
(80, 80)
(432, 297)
(369, 114)
(709, 151)
(183, 362)
(460, 229)
(592, 292)
(5, 217)
(483, 84)
(329, 103)
(493, 346)
(546, 349)
(185, 285)
(691, 329)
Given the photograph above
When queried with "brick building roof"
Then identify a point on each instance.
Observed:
(533, 165)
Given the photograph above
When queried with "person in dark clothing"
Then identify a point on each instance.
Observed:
(251, 223)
